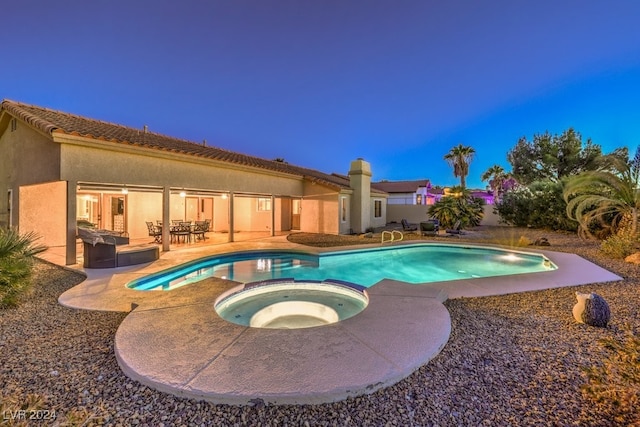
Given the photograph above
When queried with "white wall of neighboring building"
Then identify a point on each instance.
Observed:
(401, 199)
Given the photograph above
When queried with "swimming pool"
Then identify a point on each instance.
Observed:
(416, 263)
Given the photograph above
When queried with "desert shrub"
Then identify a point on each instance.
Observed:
(17, 254)
(618, 246)
(450, 209)
(539, 205)
(616, 382)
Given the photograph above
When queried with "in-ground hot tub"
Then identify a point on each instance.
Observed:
(291, 304)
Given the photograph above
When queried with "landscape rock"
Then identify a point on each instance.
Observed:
(542, 241)
(592, 310)
(633, 258)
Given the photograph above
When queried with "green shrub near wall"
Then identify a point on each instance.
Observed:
(17, 254)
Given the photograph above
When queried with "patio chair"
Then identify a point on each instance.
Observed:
(408, 227)
(456, 230)
(200, 228)
(154, 231)
(182, 230)
(429, 228)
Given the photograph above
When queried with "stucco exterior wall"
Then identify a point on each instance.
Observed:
(412, 213)
(319, 210)
(417, 213)
(382, 220)
(491, 218)
(142, 207)
(136, 167)
(220, 215)
(248, 218)
(43, 210)
(26, 157)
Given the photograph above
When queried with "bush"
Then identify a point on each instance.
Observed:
(539, 205)
(618, 246)
(16, 264)
(450, 209)
(616, 383)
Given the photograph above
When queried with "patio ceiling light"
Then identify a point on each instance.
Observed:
(183, 194)
(125, 190)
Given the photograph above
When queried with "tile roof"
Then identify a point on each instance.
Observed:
(52, 121)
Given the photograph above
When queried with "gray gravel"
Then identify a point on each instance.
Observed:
(511, 360)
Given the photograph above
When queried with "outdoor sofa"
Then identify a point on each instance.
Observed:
(101, 250)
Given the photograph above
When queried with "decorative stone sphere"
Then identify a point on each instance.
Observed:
(591, 309)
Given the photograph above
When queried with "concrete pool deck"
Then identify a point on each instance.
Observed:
(175, 341)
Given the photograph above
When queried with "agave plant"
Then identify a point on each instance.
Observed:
(609, 198)
(17, 254)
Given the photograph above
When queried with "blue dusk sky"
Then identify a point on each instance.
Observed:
(320, 83)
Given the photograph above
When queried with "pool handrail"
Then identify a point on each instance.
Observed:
(392, 234)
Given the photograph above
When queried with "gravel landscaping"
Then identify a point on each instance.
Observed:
(510, 360)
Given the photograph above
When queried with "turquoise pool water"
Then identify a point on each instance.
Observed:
(419, 263)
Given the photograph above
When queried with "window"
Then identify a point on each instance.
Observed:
(264, 204)
(343, 209)
(377, 208)
(418, 199)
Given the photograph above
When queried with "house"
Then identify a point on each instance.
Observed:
(421, 192)
(60, 168)
(417, 192)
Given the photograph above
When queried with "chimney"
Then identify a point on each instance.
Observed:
(146, 128)
(360, 183)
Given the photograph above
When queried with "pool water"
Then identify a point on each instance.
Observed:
(419, 263)
(290, 305)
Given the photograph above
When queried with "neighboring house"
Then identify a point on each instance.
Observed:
(421, 192)
(485, 195)
(59, 168)
(409, 192)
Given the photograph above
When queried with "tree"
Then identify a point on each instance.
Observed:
(538, 205)
(607, 198)
(460, 206)
(553, 157)
(496, 177)
(459, 158)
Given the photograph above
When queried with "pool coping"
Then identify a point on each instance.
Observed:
(175, 341)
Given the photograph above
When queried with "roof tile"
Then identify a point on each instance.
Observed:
(50, 121)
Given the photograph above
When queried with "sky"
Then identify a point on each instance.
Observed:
(320, 83)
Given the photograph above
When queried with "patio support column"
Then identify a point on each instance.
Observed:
(71, 255)
(231, 225)
(166, 213)
(273, 215)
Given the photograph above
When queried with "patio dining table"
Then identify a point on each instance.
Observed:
(186, 229)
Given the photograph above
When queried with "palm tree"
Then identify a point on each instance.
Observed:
(459, 158)
(610, 197)
(459, 205)
(496, 177)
